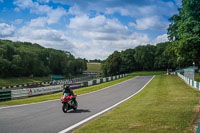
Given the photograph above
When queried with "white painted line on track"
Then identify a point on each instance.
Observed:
(95, 115)
(5, 107)
(27, 104)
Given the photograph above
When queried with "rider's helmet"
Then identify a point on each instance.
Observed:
(66, 86)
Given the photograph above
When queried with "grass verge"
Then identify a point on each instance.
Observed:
(22, 80)
(165, 105)
(78, 91)
(94, 67)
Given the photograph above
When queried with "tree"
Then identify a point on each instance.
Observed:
(161, 62)
(112, 64)
(128, 63)
(144, 56)
(25, 59)
(184, 32)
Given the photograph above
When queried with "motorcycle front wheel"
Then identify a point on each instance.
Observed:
(75, 105)
(65, 107)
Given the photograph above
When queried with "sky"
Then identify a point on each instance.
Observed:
(91, 29)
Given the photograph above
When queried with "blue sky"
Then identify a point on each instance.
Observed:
(87, 28)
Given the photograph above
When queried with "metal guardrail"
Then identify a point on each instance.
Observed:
(5, 95)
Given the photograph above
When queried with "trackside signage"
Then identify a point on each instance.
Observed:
(43, 90)
(75, 85)
(34, 91)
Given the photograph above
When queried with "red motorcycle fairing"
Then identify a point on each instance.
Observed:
(68, 103)
(67, 98)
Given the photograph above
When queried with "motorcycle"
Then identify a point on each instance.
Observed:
(68, 103)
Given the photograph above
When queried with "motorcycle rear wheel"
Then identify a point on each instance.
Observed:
(65, 107)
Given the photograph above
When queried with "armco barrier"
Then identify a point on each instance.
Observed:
(194, 84)
(104, 80)
(98, 81)
(90, 83)
(5, 95)
(19, 93)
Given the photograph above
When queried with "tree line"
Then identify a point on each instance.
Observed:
(27, 59)
(141, 58)
(182, 50)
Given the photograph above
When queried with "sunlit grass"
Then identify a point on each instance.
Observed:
(166, 105)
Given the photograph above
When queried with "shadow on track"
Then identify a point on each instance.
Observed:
(80, 111)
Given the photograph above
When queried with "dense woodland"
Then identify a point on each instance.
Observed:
(182, 50)
(27, 59)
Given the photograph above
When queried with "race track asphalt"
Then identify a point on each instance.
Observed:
(48, 117)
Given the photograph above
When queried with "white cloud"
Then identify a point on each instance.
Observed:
(104, 36)
(75, 10)
(35, 31)
(53, 15)
(6, 30)
(178, 2)
(18, 21)
(24, 3)
(153, 22)
(160, 38)
(90, 34)
(38, 22)
(43, 1)
(98, 28)
(45, 36)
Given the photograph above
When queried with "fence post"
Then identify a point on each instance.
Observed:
(107, 80)
(94, 82)
(85, 84)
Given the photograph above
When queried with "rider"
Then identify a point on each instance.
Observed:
(68, 90)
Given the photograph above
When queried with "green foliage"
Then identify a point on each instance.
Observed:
(148, 57)
(25, 59)
(144, 55)
(112, 64)
(184, 32)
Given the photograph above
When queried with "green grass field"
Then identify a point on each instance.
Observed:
(166, 105)
(22, 80)
(94, 67)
